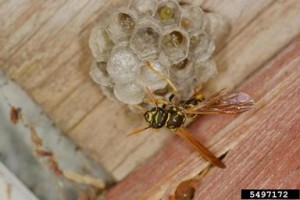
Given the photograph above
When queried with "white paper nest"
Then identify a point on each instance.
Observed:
(178, 41)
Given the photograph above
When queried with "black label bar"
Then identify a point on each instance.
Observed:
(270, 194)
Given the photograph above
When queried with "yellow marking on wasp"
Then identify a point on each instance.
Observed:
(149, 116)
(168, 118)
(156, 119)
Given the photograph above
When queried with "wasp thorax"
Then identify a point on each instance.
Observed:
(156, 117)
(176, 118)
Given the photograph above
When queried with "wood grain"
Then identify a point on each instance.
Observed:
(44, 47)
(263, 144)
(266, 35)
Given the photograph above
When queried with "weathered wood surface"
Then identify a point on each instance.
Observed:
(263, 144)
(44, 47)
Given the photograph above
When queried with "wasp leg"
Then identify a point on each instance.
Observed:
(197, 89)
(157, 101)
(153, 99)
(171, 97)
(139, 130)
(164, 106)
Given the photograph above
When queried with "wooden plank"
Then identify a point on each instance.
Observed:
(25, 20)
(238, 14)
(61, 39)
(76, 106)
(237, 57)
(263, 144)
(34, 74)
(53, 61)
(259, 42)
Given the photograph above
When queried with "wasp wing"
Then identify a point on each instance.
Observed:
(223, 102)
(207, 155)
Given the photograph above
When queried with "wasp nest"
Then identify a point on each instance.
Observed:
(176, 40)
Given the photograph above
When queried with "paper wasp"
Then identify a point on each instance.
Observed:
(173, 115)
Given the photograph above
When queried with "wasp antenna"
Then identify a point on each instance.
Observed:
(134, 132)
(207, 155)
(161, 75)
(151, 96)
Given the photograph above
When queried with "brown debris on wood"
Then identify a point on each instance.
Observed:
(83, 179)
(15, 114)
(50, 158)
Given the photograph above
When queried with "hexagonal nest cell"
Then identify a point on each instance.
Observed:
(156, 44)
